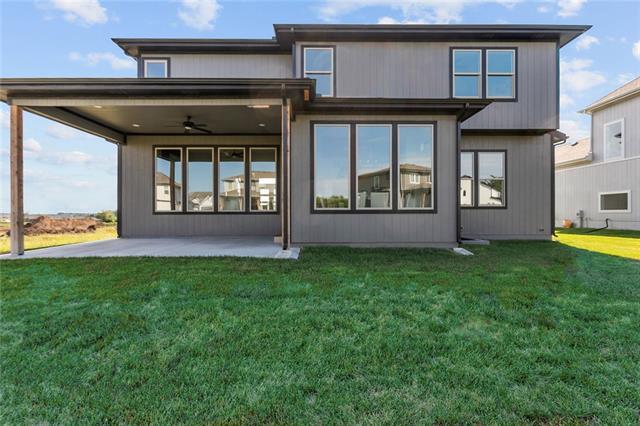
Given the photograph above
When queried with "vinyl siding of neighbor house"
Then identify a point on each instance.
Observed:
(577, 188)
(229, 65)
(629, 110)
(421, 229)
(422, 70)
(528, 212)
(138, 219)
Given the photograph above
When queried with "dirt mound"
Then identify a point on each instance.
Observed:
(46, 225)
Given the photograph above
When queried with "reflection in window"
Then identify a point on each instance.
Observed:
(231, 179)
(501, 73)
(263, 179)
(374, 166)
(614, 140)
(491, 179)
(168, 179)
(318, 65)
(156, 68)
(466, 179)
(200, 179)
(415, 157)
(466, 73)
(331, 166)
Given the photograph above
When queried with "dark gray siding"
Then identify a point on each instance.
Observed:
(422, 70)
(374, 229)
(577, 188)
(528, 212)
(229, 66)
(138, 219)
(629, 110)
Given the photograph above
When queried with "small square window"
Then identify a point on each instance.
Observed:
(156, 68)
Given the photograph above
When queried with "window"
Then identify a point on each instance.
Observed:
(263, 179)
(200, 179)
(501, 66)
(156, 68)
(318, 65)
(332, 170)
(467, 73)
(373, 169)
(168, 180)
(415, 157)
(614, 202)
(491, 179)
(466, 179)
(231, 179)
(414, 178)
(614, 140)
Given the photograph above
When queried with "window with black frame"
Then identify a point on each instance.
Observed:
(263, 179)
(200, 196)
(415, 166)
(332, 167)
(168, 180)
(231, 180)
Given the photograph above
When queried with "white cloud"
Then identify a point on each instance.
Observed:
(586, 41)
(568, 8)
(566, 101)
(199, 14)
(625, 77)
(32, 145)
(87, 12)
(636, 49)
(4, 119)
(575, 129)
(60, 131)
(94, 58)
(413, 11)
(575, 75)
(68, 157)
(543, 9)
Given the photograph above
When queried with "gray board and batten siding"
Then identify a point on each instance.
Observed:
(422, 70)
(629, 110)
(138, 217)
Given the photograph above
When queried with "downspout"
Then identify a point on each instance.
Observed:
(457, 178)
(284, 136)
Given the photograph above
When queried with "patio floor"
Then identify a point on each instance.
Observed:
(172, 247)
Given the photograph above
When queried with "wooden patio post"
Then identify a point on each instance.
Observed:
(285, 159)
(17, 206)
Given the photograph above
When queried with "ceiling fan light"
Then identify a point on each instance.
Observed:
(259, 106)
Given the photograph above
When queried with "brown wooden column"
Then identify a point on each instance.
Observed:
(285, 160)
(17, 206)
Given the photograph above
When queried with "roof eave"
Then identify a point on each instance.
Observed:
(600, 105)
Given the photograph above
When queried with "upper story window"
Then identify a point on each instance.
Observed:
(484, 73)
(614, 140)
(156, 68)
(319, 65)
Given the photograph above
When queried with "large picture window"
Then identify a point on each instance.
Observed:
(231, 179)
(332, 170)
(415, 166)
(483, 181)
(467, 173)
(200, 179)
(318, 65)
(263, 179)
(168, 180)
(467, 73)
(614, 140)
(501, 71)
(373, 156)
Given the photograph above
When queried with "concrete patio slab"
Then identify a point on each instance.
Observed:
(169, 247)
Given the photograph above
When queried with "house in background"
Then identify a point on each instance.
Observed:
(377, 135)
(598, 178)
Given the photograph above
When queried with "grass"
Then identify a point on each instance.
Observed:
(608, 241)
(522, 332)
(50, 240)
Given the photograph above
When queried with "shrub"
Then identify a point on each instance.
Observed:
(107, 216)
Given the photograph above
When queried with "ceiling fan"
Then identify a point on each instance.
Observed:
(189, 125)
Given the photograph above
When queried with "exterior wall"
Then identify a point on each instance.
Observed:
(229, 65)
(577, 189)
(422, 70)
(393, 229)
(630, 111)
(138, 219)
(528, 212)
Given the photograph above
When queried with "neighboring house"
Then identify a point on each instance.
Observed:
(598, 178)
(416, 135)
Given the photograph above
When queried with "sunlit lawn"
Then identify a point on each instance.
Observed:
(50, 240)
(607, 241)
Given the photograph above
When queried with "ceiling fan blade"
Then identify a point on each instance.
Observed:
(172, 125)
(200, 129)
(201, 125)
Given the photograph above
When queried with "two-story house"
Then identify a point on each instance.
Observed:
(377, 135)
(598, 178)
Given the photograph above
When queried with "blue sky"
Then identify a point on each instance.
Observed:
(66, 170)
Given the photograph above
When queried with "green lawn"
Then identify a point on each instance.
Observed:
(534, 332)
(607, 241)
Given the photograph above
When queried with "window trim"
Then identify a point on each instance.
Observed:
(483, 61)
(165, 60)
(394, 158)
(626, 191)
(492, 74)
(246, 171)
(433, 168)
(455, 74)
(350, 156)
(476, 186)
(277, 204)
(153, 179)
(332, 73)
(473, 179)
(604, 140)
(186, 178)
(215, 179)
(391, 180)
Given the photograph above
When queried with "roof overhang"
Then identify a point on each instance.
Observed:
(605, 103)
(135, 47)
